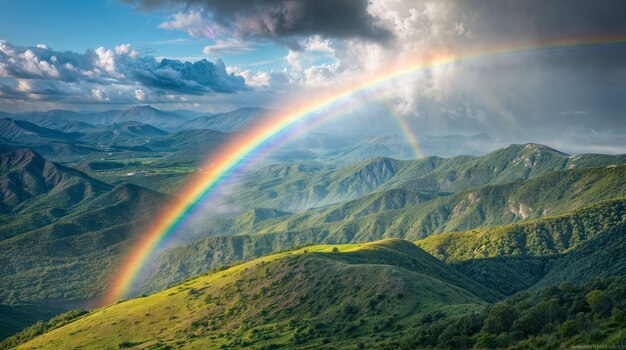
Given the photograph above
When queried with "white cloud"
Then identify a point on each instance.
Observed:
(126, 50)
(293, 59)
(192, 22)
(32, 64)
(140, 95)
(228, 46)
(99, 95)
(105, 59)
(317, 44)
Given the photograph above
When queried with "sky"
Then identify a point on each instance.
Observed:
(215, 55)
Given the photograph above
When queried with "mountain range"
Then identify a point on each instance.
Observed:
(342, 242)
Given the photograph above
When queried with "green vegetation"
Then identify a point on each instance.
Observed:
(572, 247)
(62, 231)
(476, 209)
(558, 317)
(40, 328)
(308, 297)
(16, 318)
(531, 218)
(382, 295)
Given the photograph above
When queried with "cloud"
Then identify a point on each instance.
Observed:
(278, 20)
(172, 41)
(191, 22)
(518, 98)
(274, 81)
(99, 95)
(228, 46)
(140, 95)
(42, 73)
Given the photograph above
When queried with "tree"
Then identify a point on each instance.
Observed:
(500, 319)
(570, 328)
(599, 302)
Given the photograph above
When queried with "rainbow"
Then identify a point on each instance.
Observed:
(229, 157)
(406, 130)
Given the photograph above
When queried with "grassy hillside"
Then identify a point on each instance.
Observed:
(573, 247)
(305, 298)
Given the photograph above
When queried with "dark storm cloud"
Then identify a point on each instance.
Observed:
(283, 19)
(540, 22)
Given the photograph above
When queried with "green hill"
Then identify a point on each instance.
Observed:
(573, 247)
(556, 192)
(302, 298)
(70, 258)
(381, 295)
(390, 214)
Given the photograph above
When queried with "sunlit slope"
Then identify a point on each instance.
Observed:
(574, 247)
(301, 298)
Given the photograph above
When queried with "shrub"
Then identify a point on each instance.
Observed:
(570, 328)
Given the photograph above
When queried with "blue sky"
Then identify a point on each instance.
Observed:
(81, 25)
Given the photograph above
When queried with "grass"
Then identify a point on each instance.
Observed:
(294, 298)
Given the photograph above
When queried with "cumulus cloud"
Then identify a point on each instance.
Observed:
(100, 74)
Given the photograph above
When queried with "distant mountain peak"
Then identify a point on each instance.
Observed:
(142, 108)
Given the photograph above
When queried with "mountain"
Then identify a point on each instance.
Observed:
(56, 119)
(231, 121)
(29, 183)
(143, 114)
(61, 144)
(292, 299)
(432, 212)
(575, 247)
(129, 133)
(391, 146)
(323, 185)
(23, 132)
(375, 217)
(61, 229)
(81, 121)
